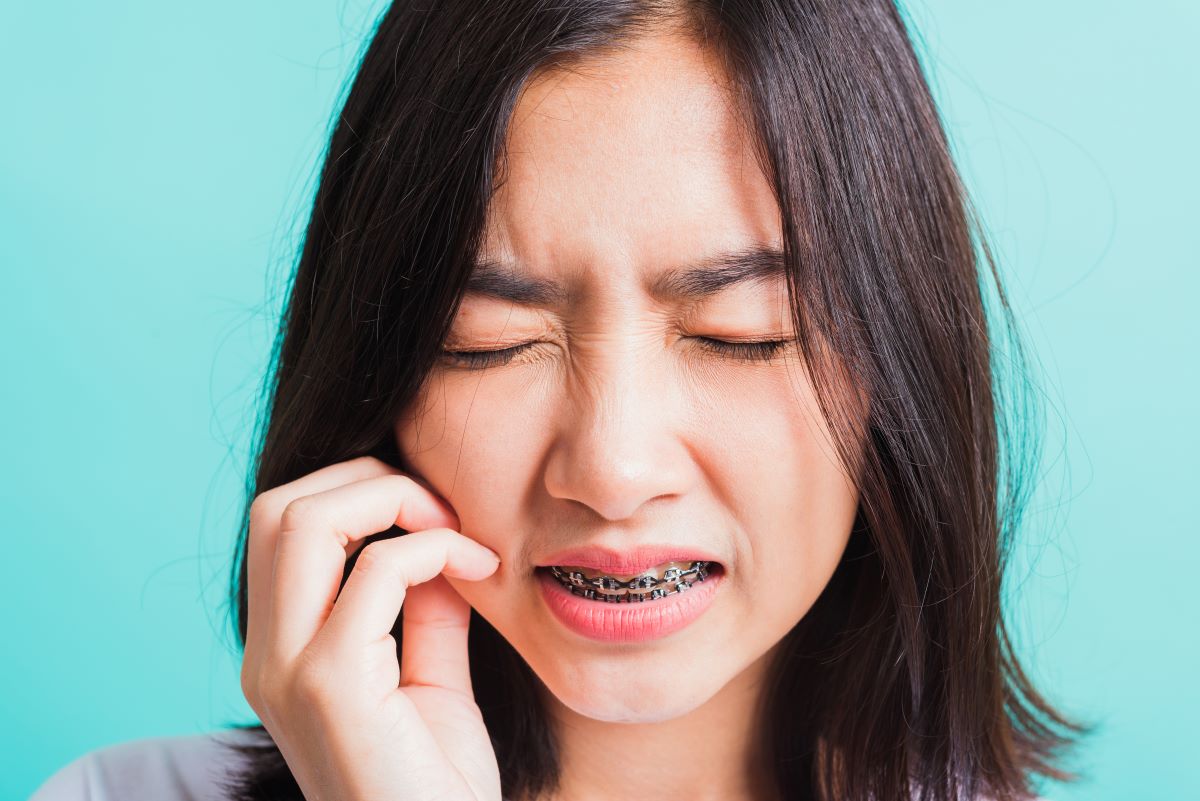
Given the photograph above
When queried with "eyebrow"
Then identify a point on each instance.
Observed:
(755, 264)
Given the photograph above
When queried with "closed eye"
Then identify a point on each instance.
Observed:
(762, 350)
(478, 359)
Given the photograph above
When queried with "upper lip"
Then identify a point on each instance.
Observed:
(627, 560)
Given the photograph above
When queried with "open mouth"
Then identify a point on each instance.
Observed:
(668, 579)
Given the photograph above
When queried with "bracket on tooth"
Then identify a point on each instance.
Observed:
(586, 587)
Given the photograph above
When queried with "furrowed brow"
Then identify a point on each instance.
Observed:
(498, 280)
(711, 275)
(716, 273)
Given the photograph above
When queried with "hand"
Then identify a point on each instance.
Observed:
(320, 667)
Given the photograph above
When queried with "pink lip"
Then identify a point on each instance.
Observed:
(629, 560)
(628, 622)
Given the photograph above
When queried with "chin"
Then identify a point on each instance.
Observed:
(627, 690)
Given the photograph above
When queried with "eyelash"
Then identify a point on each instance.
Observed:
(744, 351)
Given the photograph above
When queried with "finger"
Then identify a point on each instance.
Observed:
(310, 554)
(265, 513)
(410, 572)
(434, 639)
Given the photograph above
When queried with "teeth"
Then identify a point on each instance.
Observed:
(673, 579)
(663, 571)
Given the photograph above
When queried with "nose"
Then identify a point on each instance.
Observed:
(622, 439)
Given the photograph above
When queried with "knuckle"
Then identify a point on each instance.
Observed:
(371, 461)
(301, 513)
(310, 682)
(274, 694)
(407, 487)
(261, 693)
(249, 683)
(271, 700)
(445, 538)
(263, 509)
(403, 479)
(378, 558)
(404, 487)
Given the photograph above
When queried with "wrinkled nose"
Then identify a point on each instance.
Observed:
(620, 441)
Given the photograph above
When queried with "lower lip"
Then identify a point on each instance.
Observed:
(638, 621)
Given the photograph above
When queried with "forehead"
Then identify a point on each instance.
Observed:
(632, 160)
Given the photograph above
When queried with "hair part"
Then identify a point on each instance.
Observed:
(901, 681)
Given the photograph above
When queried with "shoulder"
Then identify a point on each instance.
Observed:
(192, 767)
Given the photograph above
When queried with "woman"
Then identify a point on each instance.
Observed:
(634, 428)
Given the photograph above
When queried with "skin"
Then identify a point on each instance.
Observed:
(618, 427)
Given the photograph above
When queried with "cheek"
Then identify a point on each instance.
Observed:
(793, 499)
(460, 438)
(799, 539)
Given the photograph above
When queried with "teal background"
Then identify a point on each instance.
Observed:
(155, 162)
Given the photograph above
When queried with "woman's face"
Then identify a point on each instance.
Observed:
(617, 427)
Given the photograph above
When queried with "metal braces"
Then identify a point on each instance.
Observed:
(581, 585)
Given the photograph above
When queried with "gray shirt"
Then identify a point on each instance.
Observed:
(191, 767)
(186, 768)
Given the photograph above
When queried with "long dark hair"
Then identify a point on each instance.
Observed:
(901, 682)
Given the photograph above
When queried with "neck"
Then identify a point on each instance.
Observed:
(713, 752)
